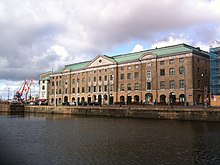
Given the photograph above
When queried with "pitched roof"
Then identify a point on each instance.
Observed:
(122, 58)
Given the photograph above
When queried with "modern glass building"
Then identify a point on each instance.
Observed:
(215, 76)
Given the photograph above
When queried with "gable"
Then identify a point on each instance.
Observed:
(66, 70)
(100, 61)
(147, 56)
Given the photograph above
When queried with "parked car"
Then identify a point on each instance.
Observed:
(82, 103)
(44, 103)
(72, 103)
(94, 104)
(32, 103)
(65, 103)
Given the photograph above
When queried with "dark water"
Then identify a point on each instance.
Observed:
(59, 139)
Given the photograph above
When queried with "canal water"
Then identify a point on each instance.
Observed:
(44, 139)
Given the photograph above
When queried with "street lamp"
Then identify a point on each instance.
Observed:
(184, 88)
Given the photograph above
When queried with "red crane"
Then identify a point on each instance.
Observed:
(25, 87)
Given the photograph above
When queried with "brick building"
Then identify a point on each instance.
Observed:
(151, 76)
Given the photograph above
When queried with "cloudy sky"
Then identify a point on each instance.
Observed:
(40, 35)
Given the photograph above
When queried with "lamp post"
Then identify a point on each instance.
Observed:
(184, 88)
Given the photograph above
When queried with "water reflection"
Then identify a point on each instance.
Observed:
(66, 139)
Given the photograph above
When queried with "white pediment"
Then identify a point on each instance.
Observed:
(66, 70)
(146, 56)
(100, 61)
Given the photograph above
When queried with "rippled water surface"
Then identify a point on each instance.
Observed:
(61, 139)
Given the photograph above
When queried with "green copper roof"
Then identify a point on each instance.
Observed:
(169, 50)
(128, 57)
(46, 78)
(58, 71)
(122, 58)
(77, 66)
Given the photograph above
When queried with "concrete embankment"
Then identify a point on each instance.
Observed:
(149, 112)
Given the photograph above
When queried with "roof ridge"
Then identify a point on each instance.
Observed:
(77, 63)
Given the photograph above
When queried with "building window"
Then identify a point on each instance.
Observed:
(129, 87)
(78, 90)
(129, 67)
(100, 88)
(94, 79)
(172, 84)
(182, 84)
(111, 88)
(59, 91)
(122, 87)
(122, 76)
(66, 82)
(105, 88)
(94, 71)
(105, 78)
(89, 80)
(94, 89)
(148, 65)
(136, 67)
(43, 87)
(181, 70)
(129, 76)
(199, 85)
(181, 60)
(162, 72)
(73, 90)
(198, 71)
(112, 69)
(105, 70)
(100, 71)
(171, 61)
(111, 77)
(73, 81)
(122, 68)
(43, 94)
(83, 89)
(60, 83)
(148, 74)
(136, 86)
(171, 71)
(66, 90)
(148, 85)
(89, 89)
(161, 62)
(83, 80)
(53, 83)
(162, 85)
(100, 78)
(136, 75)
(52, 92)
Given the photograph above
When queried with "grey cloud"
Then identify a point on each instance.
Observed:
(87, 28)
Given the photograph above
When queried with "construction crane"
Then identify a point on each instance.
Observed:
(25, 88)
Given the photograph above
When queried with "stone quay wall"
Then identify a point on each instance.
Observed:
(4, 107)
(149, 112)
